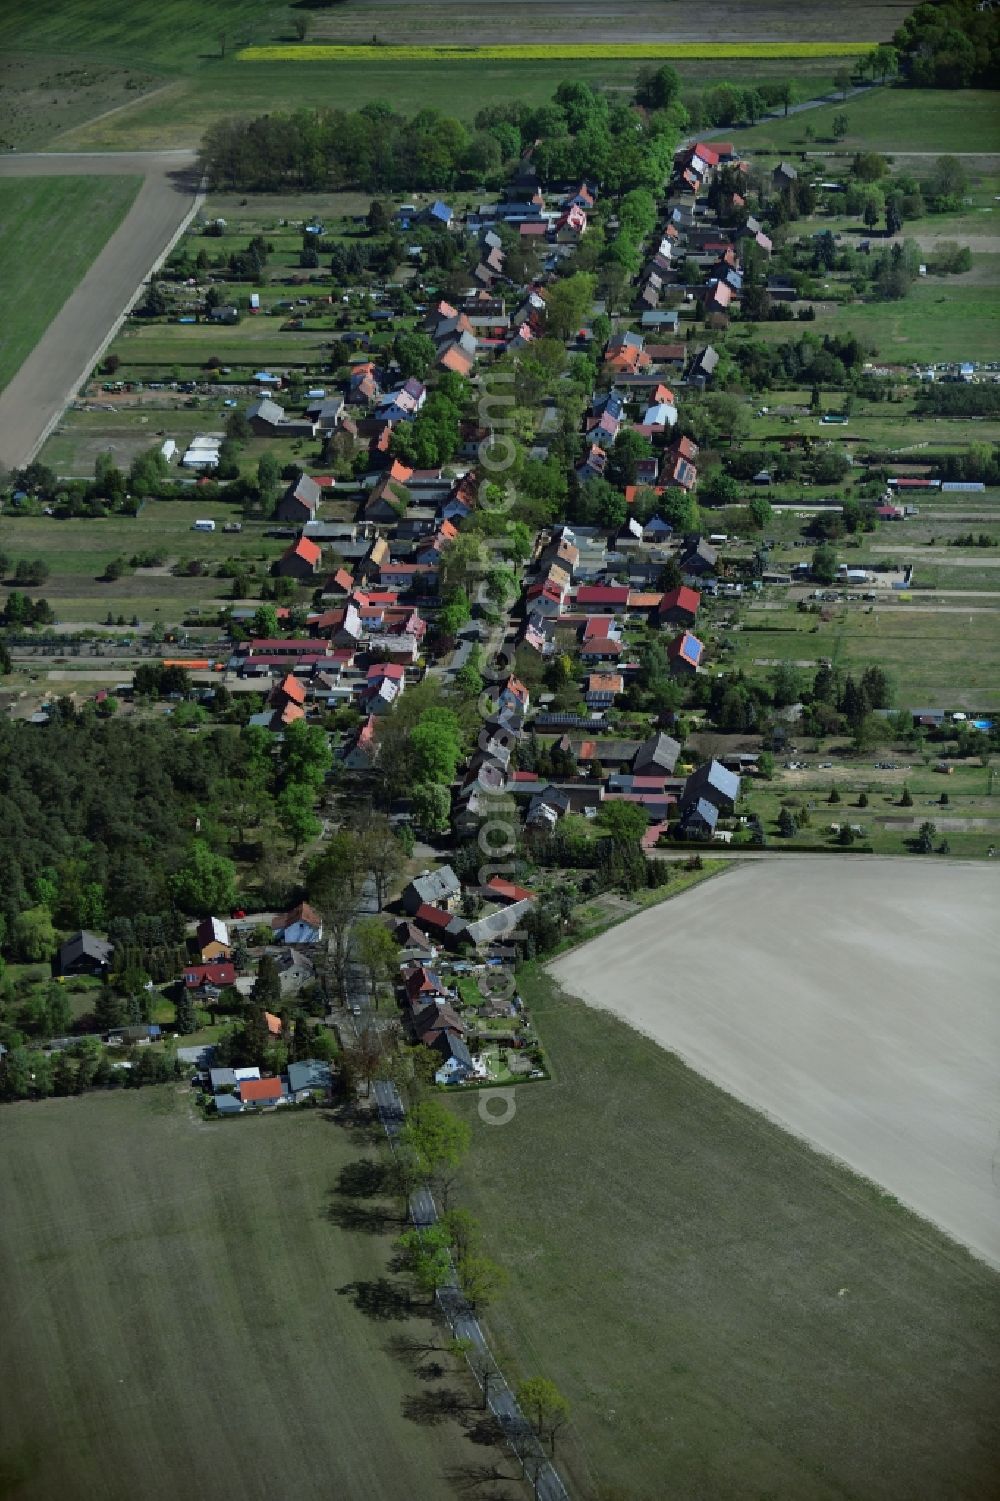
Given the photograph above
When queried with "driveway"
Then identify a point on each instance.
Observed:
(75, 339)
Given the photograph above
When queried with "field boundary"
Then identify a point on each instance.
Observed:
(544, 51)
(521, 1437)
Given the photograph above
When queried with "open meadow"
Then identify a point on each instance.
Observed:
(932, 653)
(902, 120)
(78, 551)
(729, 1313)
(33, 287)
(197, 1307)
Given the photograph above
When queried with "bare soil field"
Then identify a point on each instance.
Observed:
(853, 1004)
(458, 21)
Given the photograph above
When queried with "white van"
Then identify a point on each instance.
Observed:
(203, 526)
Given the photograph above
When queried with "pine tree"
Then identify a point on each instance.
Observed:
(185, 1019)
(267, 986)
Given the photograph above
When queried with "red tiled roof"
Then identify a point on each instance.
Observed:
(508, 890)
(197, 975)
(273, 1023)
(305, 549)
(429, 916)
(260, 1089)
(681, 599)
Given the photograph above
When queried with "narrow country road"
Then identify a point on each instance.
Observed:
(37, 395)
(465, 1326)
(727, 131)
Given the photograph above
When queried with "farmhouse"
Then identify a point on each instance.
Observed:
(84, 954)
(300, 561)
(212, 940)
(300, 501)
(436, 888)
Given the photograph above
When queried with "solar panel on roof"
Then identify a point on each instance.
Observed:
(691, 649)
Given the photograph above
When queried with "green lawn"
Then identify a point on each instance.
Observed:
(892, 119)
(72, 217)
(948, 658)
(677, 1263)
(941, 318)
(78, 551)
(191, 1303)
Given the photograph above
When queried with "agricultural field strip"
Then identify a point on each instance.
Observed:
(879, 1075)
(36, 397)
(539, 51)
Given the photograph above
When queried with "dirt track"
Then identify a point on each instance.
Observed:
(38, 393)
(855, 1003)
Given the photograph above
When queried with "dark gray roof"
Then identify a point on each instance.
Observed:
(458, 1049)
(703, 810)
(267, 410)
(309, 1073)
(711, 780)
(222, 1078)
(85, 945)
(228, 1104)
(659, 750)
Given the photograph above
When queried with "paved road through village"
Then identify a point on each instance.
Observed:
(33, 402)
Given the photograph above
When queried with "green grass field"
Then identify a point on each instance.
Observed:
(941, 318)
(677, 1264)
(190, 1309)
(892, 119)
(185, 55)
(77, 552)
(72, 217)
(948, 658)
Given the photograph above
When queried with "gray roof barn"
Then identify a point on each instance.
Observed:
(712, 782)
(659, 752)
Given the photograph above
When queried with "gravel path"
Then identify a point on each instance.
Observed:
(35, 399)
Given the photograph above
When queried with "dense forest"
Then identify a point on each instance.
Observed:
(581, 134)
(951, 46)
(105, 819)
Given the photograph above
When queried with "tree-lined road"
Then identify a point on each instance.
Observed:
(540, 1471)
(36, 397)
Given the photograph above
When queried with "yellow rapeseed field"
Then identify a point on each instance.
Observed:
(640, 51)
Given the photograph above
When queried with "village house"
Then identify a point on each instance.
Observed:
(209, 980)
(300, 501)
(603, 688)
(438, 888)
(684, 655)
(84, 954)
(300, 561)
(301, 925)
(212, 940)
(679, 606)
(713, 783)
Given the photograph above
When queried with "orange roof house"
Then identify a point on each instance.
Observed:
(261, 1091)
(301, 560)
